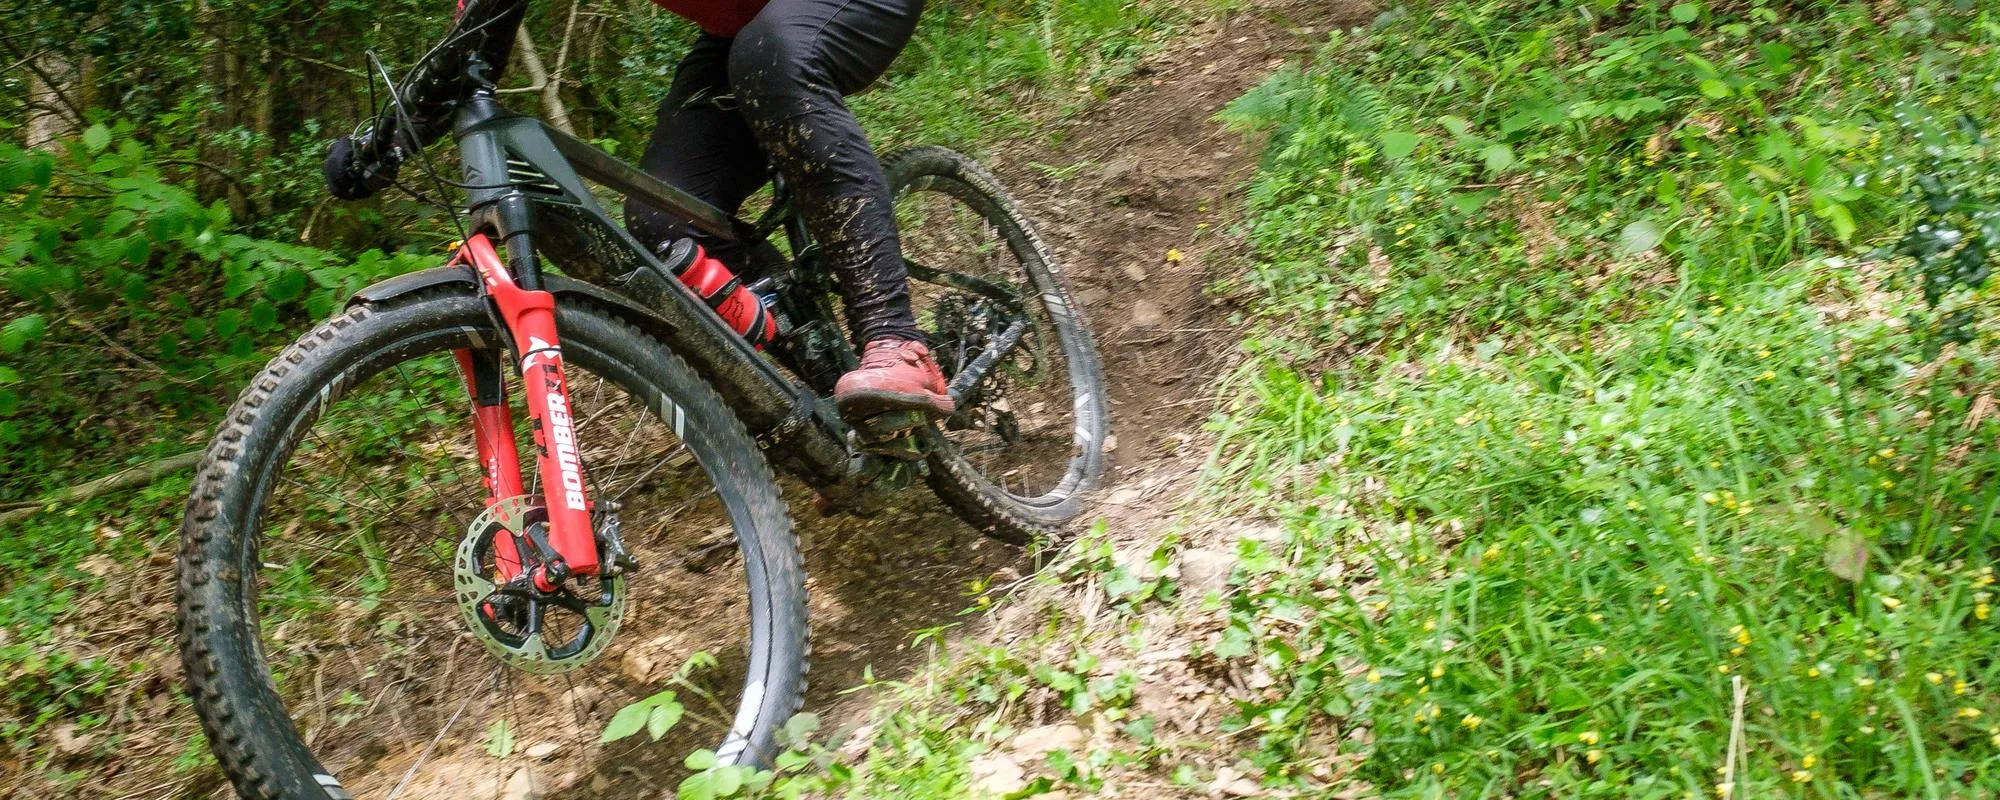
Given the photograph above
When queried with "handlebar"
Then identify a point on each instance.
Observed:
(420, 110)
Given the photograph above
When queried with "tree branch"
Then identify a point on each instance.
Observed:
(124, 479)
(552, 104)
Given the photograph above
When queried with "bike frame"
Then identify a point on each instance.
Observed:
(526, 197)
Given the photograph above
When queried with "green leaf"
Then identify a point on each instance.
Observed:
(500, 739)
(728, 780)
(228, 321)
(8, 375)
(1714, 89)
(1457, 125)
(286, 286)
(1685, 13)
(137, 250)
(699, 786)
(18, 333)
(700, 759)
(626, 722)
(800, 726)
(662, 719)
(1498, 157)
(1641, 236)
(263, 315)
(97, 137)
(1840, 218)
(1398, 145)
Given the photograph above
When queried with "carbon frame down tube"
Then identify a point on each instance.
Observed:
(530, 318)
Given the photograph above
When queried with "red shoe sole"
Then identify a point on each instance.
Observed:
(864, 403)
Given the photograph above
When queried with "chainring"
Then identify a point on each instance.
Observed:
(510, 620)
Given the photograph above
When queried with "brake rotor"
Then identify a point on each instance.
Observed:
(529, 629)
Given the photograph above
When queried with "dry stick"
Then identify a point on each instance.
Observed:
(135, 476)
(562, 50)
(1735, 737)
(76, 318)
(551, 91)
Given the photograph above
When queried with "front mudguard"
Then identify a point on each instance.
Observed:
(390, 291)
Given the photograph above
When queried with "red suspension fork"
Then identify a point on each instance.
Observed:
(530, 317)
(493, 430)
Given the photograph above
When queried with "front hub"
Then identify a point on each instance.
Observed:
(529, 626)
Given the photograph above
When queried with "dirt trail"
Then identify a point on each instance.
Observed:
(1140, 200)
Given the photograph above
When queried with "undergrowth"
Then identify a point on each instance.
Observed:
(1594, 391)
(1622, 393)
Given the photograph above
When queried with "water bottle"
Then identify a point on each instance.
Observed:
(747, 313)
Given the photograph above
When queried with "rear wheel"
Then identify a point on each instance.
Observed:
(338, 526)
(1026, 446)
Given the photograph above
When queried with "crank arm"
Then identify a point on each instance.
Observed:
(963, 383)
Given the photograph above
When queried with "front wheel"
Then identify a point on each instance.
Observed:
(340, 504)
(1026, 446)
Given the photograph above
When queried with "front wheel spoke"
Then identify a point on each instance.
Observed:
(641, 479)
(332, 598)
(363, 556)
(498, 671)
(424, 475)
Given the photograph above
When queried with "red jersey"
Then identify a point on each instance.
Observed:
(719, 17)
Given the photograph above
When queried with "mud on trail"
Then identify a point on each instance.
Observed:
(1138, 198)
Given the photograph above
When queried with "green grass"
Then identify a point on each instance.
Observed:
(985, 72)
(1589, 389)
(1581, 378)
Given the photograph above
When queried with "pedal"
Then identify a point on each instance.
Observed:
(891, 435)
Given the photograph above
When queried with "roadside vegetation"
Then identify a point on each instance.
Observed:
(1619, 423)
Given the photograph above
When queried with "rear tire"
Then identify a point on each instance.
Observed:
(255, 729)
(951, 209)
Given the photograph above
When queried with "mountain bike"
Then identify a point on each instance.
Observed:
(379, 597)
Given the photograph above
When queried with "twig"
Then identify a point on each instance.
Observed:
(242, 187)
(329, 65)
(77, 320)
(76, 113)
(562, 50)
(1728, 785)
(135, 476)
(551, 91)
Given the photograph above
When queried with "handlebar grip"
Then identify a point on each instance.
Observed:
(352, 175)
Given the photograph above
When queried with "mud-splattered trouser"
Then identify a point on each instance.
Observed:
(775, 91)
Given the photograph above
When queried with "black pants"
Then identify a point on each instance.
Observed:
(773, 96)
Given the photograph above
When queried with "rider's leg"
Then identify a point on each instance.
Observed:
(791, 68)
(702, 146)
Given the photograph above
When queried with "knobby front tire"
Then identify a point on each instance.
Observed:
(264, 639)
